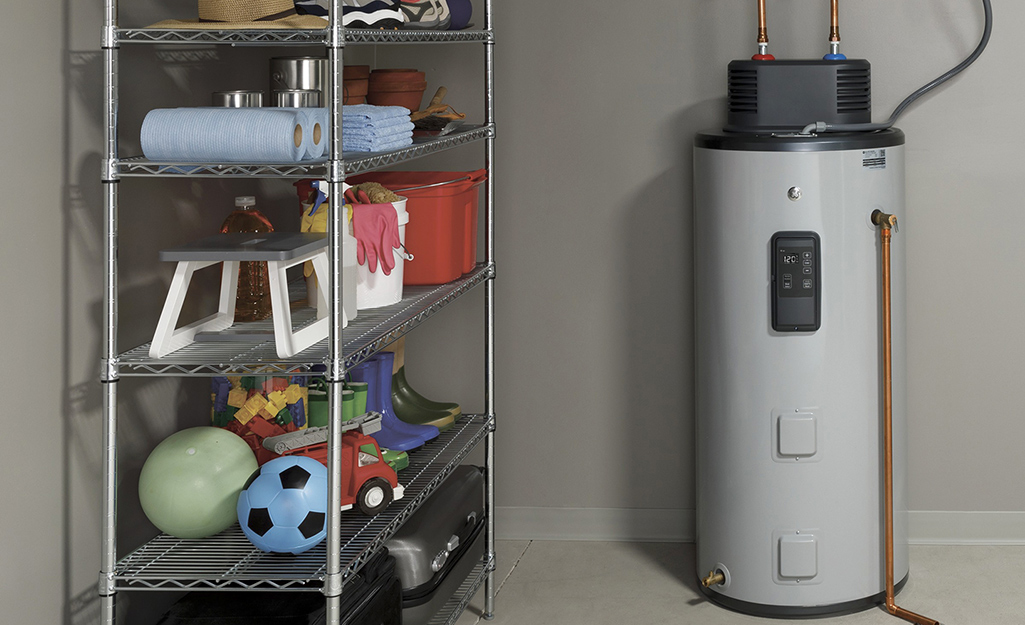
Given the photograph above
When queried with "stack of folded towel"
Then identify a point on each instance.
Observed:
(367, 128)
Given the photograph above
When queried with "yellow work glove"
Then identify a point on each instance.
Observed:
(318, 223)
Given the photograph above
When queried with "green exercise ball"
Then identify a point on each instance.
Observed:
(190, 483)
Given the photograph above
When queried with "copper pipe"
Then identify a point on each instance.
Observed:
(834, 28)
(763, 31)
(887, 223)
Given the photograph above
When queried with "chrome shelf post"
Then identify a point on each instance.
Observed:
(335, 365)
(489, 315)
(108, 364)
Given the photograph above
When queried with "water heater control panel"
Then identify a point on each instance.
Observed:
(796, 282)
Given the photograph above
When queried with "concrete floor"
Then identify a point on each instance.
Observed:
(597, 583)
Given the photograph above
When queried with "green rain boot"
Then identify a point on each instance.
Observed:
(401, 385)
(348, 405)
(359, 390)
(316, 412)
(412, 407)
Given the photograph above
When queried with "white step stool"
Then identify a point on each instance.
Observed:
(280, 250)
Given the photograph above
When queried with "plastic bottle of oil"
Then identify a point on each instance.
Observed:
(253, 295)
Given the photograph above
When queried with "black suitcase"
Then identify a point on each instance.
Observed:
(371, 597)
(438, 546)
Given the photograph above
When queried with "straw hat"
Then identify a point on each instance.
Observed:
(245, 14)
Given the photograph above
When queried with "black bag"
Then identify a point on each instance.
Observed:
(438, 546)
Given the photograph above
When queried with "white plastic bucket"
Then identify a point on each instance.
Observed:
(350, 277)
(349, 273)
(374, 289)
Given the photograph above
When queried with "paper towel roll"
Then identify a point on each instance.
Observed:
(315, 123)
(242, 135)
(320, 131)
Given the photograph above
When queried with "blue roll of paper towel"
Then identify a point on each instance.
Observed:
(316, 129)
(233, 135)
(319, 117)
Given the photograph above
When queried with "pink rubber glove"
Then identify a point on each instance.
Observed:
(376, 228)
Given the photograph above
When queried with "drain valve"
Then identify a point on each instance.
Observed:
(714, 578)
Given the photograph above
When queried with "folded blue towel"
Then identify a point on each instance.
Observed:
(370, 113)
(365, 145)
(384, 124)
(374, 133)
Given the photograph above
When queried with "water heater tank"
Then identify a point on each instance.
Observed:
(789, 382)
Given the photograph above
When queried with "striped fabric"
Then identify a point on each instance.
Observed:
(312, 7)
(357, 13)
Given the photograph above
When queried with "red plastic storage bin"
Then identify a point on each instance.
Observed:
(442, 229)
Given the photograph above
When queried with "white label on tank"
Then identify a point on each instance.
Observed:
(873, 159)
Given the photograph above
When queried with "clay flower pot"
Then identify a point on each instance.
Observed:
(397, 87)
(355, 81)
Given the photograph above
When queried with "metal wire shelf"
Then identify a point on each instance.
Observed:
(276, 37)
(355, 162)
(255, 354)
(228, 561)
(460, 599)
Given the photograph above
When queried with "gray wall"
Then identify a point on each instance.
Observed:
(596, 109)
(33, 511)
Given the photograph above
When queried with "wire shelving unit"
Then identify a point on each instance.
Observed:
(228, 561)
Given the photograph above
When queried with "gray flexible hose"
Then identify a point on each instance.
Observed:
(819, 127)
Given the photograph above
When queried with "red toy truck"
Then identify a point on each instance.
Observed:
(367, 480)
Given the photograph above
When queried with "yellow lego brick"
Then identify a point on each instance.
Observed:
(244, 415)
(236, 380)
(292, 394)
(237, 397)
(255, 403)
(275, 402)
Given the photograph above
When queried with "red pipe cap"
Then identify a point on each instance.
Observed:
(763, 57)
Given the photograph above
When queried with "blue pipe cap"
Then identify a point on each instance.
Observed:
(835, 57)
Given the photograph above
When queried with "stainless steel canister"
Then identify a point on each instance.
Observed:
(295, 98)
(237, 99)
(289, 73)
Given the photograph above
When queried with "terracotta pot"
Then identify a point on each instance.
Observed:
(392, 87)
(395, 75)
(409, 99)
(350, 72)
(397, 87)
(357, 87)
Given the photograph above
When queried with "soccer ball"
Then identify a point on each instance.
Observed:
(283, 507)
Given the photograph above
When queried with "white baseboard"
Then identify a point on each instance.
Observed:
(966, 528)
(677, 525)
(623, 524)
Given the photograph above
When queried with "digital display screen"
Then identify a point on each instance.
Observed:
(790, 259)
